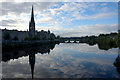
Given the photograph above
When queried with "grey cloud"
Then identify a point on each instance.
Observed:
(7, 22)
(74, 33)
(89, 30)
(25, 7)
(20, 69)
(24, 71)
(17, 8)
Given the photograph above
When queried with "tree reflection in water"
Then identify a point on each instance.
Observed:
(117, 62)
(43, 49)
(15, 54)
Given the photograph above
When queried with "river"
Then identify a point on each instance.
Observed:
(66, 60)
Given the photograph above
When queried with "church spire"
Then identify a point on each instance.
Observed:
(32, 15)
(32, 25)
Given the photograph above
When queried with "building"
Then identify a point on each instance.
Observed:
(32, 26)
(32, 34)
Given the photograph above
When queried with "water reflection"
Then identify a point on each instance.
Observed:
(32, 62)
(66, 61)
(117, 62)
(15, 54)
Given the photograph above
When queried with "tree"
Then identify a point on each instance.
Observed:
(106, 42)
(52, 36)
(7, 36)
(58, 37)
(36, 38)
(91, 40)
(117, 39)
(49, 31)
(15, 38)
(26, 38)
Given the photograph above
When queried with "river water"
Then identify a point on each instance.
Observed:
(66, 60)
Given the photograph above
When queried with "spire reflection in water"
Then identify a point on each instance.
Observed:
(16, 54)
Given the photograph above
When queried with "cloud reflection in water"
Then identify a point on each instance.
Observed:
(66, 60)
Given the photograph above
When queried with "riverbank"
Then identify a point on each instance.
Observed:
(7, 45)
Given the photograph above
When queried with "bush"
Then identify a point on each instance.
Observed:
(105, 42)
(7, 36)
(15, 38)
(26, 38)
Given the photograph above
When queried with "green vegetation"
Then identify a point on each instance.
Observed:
(58, 37)
(104, 41)
(92, 40)
(26, 38)
(36, 38)
(117, 39)
(17, 45)
(15, 38)
(6, 36)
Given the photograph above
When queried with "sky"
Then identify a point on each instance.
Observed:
(67, 19)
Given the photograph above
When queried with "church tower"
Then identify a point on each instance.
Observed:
(32, 26)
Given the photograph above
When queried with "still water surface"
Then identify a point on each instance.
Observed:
(66, 60)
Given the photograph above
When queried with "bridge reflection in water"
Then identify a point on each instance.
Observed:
(15, 54)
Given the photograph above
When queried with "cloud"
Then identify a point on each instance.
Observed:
(82, 30)
(104, 9)
(59, 1)
(103, 15)
(94, 17)
(85, 30)
(11, 11)
(56, 16)
(46, 20)
(4, 22)
(24, 7)
(77, 11)
(104, 4)
(54, 29)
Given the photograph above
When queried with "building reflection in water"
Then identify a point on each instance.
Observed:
(15, 54)
(43, 49)
(32, 62)
(117, 62)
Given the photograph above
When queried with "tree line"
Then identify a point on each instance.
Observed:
(104, 41)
